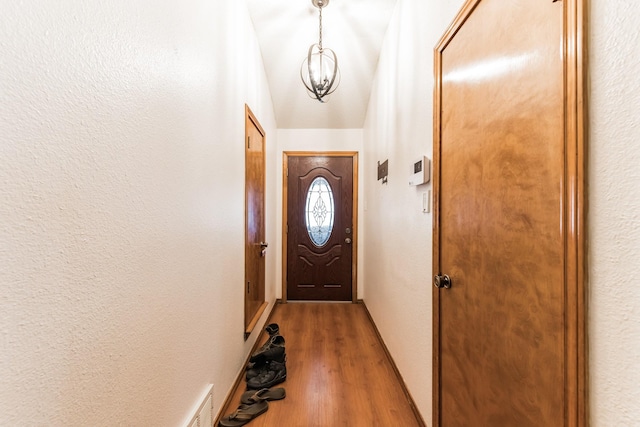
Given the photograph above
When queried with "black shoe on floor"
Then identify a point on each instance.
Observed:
(271, 350)
(272, 329)
(255, 369)
(275, 374)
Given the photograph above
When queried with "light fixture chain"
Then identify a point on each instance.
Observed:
(320, 27)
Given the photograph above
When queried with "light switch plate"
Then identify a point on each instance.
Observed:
(426, 202)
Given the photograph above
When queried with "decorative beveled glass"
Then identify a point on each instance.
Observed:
(319, 211)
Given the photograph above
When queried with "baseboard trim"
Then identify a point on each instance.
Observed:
(240, 376)
(412, 403)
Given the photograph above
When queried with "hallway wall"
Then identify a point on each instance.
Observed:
(398, 254)
(397, 257)
(122, 207)
(614, 213)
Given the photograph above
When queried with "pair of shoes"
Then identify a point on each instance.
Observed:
(267, 365)
(273, 373)
(252, 404)
(245, 413)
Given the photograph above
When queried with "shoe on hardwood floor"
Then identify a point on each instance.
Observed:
(274, 374)
(244, 414)
(273, 348)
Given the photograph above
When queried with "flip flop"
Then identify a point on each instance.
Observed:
(244, 414)
(252, 396)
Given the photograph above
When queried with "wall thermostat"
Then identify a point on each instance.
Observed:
(420, 171)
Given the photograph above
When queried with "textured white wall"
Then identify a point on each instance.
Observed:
(614, 213)
(121, 207)
(319, 140)
(398, 234)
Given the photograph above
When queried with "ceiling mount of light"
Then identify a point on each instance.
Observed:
(319, 71)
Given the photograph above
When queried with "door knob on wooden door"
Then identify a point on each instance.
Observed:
(442, 281)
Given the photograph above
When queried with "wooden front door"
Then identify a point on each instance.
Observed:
(255, 245)
(320, 227)
(507, 300)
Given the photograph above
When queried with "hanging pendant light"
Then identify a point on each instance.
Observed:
(319, 71)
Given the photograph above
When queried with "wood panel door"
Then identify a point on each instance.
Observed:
(320, 228)
(255, 245)
(508, 298)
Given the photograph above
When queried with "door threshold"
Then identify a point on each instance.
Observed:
(318, 301)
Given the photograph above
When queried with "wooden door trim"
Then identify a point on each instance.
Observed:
(574, 205)
(250, 117)
(575, 209)
(285, 186)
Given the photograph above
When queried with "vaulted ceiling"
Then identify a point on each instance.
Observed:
(354, 29)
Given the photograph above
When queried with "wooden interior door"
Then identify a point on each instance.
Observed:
(255, 245)
(506, 322)
(320, 227)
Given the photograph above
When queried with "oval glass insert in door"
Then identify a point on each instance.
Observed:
(319, 211)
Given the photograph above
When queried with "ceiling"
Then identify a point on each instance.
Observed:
(353, 29)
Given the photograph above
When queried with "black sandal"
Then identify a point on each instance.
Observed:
(244, 414)
(253, 396)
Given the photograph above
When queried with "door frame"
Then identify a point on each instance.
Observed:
(285, 205)
(574, 205)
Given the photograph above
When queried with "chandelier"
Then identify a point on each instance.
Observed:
(319, 70)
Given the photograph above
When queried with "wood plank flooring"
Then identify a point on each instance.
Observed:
(338, 373)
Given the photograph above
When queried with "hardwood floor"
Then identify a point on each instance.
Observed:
(338, 373)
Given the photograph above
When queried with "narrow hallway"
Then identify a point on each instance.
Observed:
(123, 208)
(338, 373)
